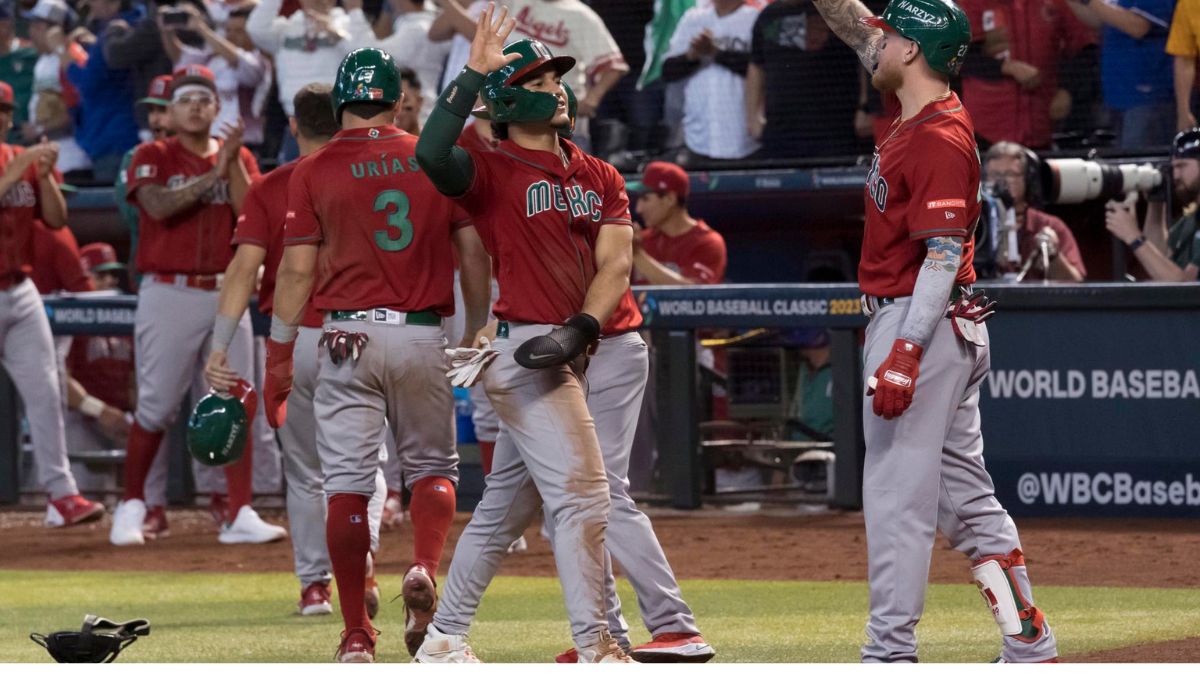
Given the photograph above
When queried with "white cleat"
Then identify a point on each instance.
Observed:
(248, 528)
(440, 647)
(604, 650)
(127, 523)
(518, 546)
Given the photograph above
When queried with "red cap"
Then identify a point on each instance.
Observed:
(195, 74)
(6, 94)
(159, 92)
(99, 257)
(666, 177)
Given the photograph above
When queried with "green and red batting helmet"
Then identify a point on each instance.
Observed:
(940, 27)
(366, 75)
(220, 424)
(506, 102)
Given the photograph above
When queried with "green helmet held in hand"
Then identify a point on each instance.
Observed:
(366, 75)
(220, 424)
(939, 27)
(506, 102)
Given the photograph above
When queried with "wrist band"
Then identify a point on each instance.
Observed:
(224, 328)
(91, 406)
(1136, 243)
(281, 332)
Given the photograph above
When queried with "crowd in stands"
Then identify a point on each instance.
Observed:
(701, 82)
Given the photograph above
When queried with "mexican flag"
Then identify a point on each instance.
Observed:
(667, 14)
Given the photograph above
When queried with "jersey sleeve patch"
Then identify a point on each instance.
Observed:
(946, 204)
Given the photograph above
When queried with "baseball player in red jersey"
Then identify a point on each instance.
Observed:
(259, 240)
(926, 350)
(675, 248)
(56, 264)
(368, 234)
(557, 223)
(29, 191)
(188, 189)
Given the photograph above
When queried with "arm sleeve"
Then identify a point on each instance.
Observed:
(940, 185)
(738, 62)
(265, 26)
(147, 168)
(300, 225)
(253, 223)
(451, 168)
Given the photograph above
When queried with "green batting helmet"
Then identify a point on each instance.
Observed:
(220, 424)
(939, 27)
(507, 102)
(366, 75)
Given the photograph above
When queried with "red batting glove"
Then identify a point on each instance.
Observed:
(277, 383)
(896, 379)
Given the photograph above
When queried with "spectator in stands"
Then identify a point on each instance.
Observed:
(675, 248)
(107, 127)
(412, 108)
(409, 44)
(1037, 231)
(710, 49)
(1183, 43)
(1166, 254)
(16, 68)
(243, 74)
(55, 103)
(568, 27)
(795, 60)
(1135, 67)
(138, 47)
(1010, 75)
(307, 46)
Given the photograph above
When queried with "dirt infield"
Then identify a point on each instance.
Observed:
(704, 545)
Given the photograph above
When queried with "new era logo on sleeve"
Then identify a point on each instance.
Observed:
(145, 171)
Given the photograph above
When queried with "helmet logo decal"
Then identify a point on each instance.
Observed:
(363, 92)
(364, 74)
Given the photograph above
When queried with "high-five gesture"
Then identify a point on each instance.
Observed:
(487, 48)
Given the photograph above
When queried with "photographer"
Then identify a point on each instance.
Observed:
(1166, 254)
(1041, 237)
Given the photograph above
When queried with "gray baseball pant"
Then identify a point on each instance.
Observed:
(925, 471)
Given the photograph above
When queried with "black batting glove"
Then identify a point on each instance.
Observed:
(561, 345)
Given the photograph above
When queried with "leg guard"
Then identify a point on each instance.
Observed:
(1016, 616)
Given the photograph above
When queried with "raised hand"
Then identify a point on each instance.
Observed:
(487, 48)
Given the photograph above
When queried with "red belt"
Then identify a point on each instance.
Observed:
(204, 282)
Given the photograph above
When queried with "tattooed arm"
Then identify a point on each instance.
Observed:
(932, 291)
(842, 16)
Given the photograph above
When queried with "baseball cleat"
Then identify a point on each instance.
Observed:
(420, 601)
(440, 647)
(371, 590)
(674, 648)
(155, 526)
(127, 523)
(249, 528)
(314, 599)
(569, 656)
(604, 650)
(358, 646)
(519, 545)
(72, 510)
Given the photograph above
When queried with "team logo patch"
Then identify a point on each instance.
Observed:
(362, 91)
(145, 171)
(946, 204)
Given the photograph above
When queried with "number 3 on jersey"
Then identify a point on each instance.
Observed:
(397, 219)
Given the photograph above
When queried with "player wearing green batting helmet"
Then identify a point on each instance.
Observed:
(366, 75)
(505, 101)
(220, 424)
(939, 27)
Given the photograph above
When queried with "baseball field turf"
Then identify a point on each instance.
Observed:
(199, 617)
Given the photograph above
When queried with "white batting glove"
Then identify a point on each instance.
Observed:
(467, 363)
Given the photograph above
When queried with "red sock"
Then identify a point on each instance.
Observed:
(349, 540)
(431, 513)
(239, 477)
(140, 451)
(486, 450)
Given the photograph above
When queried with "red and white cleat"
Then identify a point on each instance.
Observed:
(72, 510)
(358, 646)
(569, 656)
(420, 601)
(155, 526)
(314, 599)
(674, 648)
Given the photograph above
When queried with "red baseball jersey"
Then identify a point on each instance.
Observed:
(264, 212)
(923, 183)
(104, 366)
(56, 264)
(196, 240)
(18, 209)
(698, 254)
(383, 230)
(539, 221)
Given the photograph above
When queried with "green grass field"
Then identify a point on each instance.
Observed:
(249, 617)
